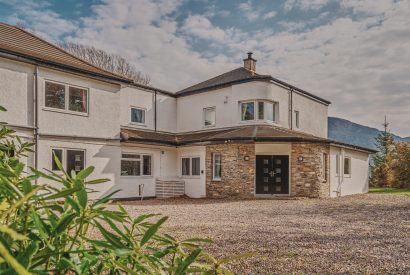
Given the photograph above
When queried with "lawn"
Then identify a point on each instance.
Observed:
(396, 191)
(366, 233)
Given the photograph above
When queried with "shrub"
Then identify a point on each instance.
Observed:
(44, 229)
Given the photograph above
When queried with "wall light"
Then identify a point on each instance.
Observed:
(300, 158)
(246, 158)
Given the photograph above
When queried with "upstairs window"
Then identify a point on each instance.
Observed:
(138, 115)
(190, 166)
(297, 124)
(71, 159)
(258, 110)
(209, 117)
(65, 97)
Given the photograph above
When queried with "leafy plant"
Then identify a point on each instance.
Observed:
(47, 228)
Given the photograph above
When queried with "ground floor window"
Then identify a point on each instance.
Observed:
(337, 165)
(71, 159)
(136, 164)
(347, 167)
(324, 167)
(190, 166)
(216, 166)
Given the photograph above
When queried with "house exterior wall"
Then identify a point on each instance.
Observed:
(166, 109)
(194, 185)
(308, 176)
(16, 92)
(103, 109)
(238, 174)
(312, 115)
(357, 181)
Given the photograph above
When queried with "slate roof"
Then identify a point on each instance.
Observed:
(237, 76)
(248, 133)
(16, 41)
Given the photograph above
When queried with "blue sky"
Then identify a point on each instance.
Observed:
(355, 53)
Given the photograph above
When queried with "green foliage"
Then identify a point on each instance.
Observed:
(46, 222)
(395, 191)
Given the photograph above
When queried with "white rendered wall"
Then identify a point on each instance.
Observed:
(166, 109)
(195, 186)
(312, 115)
(357, 182)
(16, 92)
(102, 120)
(105, 157)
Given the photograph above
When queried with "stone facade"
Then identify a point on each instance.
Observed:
(238, 174)
(308, 178)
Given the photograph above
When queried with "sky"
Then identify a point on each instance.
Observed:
(355, 53)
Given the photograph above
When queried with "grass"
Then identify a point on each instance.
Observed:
(386, 190)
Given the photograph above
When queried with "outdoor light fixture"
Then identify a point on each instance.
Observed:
(300, 158)
(246, 158)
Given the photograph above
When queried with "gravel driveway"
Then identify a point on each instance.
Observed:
(357, 234)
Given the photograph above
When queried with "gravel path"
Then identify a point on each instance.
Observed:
(358, 234)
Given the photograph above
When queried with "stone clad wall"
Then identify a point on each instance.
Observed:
(307, 179)
(238, 175)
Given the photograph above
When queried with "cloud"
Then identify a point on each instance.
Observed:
(200, 26)
(252, 13)
(304, 5)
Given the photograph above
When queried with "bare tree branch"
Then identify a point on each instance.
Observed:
(107, 61)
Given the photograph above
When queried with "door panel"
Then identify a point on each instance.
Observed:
(272, 174)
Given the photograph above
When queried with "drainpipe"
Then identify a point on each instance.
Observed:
(35, 102)
(291, 108)
(155, 111)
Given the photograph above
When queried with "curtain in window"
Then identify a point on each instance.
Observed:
(196, 170)
(137, 115)
(185, 167)
(248, 111)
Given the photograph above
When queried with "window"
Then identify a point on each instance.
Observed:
(297, 119)
(337, 165)
(65, 97)
(209, 117)
(347, 166)
(191, 166)
(258, 110)
(71, 159)
(77, 99)
(216, 166)
(324, 167)
(136, 165)
(138, 115)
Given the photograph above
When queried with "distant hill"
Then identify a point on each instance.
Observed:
(346, 131)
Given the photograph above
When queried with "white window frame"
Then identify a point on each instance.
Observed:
(66, 109)
(297, 119)
(64, 157)
(204, 116)
(190, 167)
(337, 170)
(214, 177)
(145, 116)
(141, 160)
(350, 167)
(325, 165)
(256, 111)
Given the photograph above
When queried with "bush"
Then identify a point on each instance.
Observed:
(45, 230)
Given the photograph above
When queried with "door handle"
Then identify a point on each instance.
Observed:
(272, 173)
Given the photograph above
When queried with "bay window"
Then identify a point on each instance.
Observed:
(136, 164)
(65, 97)
(258, 110)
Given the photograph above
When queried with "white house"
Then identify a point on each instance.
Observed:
(238, 134)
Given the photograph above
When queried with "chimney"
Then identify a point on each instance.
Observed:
(250, 63)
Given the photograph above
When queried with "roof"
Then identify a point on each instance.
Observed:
(253, 133)
(238, 76)
(16, 41)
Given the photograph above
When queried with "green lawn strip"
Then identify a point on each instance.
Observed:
(396, 191)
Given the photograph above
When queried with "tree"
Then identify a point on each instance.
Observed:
(381, 169)
(401, 164)
(107, 61)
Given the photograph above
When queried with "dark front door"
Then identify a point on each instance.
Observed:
(272, 174)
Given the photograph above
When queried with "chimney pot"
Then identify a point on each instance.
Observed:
(250, 63)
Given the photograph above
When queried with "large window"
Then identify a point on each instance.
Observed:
(216, 166)
(137, 115)
(209, 117)
(258, 110)
(190, 166)
(65, 97)
(347, 167)
(136, 164)
(71, 159)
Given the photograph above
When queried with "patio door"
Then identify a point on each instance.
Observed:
(272, 175)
